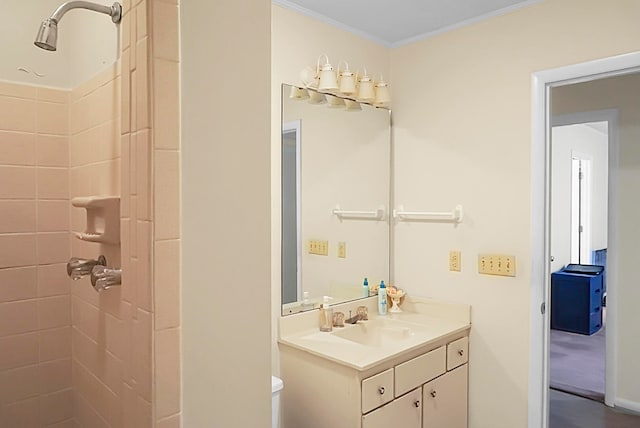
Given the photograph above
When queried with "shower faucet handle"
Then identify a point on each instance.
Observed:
(78, 267)
(103, 278)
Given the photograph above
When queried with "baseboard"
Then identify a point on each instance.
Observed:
(632, 406)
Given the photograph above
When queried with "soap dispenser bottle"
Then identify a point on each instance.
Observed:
(382, 299)
(326, 315)
(365, 288)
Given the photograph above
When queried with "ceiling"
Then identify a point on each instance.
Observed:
(398, 22)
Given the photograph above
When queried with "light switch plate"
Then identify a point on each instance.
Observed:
(454, 261)
(497, 264)
(318, 247)
(342, 250)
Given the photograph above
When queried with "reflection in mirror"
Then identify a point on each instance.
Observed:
(335, 200)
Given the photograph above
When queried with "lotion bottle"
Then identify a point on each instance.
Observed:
(365, 288)
(326, 315)
(382, 299)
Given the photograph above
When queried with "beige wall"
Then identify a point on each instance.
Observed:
(225, 57)
(35, 303)
(620, 93)
(462, 123)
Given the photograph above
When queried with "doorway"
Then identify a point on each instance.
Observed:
(542, 84)
(579, 194)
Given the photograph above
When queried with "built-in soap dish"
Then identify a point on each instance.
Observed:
(103, 218)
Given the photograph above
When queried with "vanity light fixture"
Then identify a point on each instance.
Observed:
(366, 92)
(298, 93)
(335, 102)
(352, 105)
(328, 80)
(346, 81)
(382, 97)
(316, 97)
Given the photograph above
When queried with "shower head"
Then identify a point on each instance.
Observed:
(47, 37)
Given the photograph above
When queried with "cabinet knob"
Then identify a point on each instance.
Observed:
(434, 393)
(417, 403)
(381, 390)
(461, 352)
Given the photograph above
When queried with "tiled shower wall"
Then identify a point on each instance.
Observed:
(35, 313)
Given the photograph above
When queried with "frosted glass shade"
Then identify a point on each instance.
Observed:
(383, 97)
(328, 79)
(347, 84)
(353, 105)
(335, 102)
(298, 93)
(316, 97)
(366, 93)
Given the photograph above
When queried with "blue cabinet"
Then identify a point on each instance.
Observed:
(576, 299)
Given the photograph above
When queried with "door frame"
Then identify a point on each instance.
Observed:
(612, 117)
(541, 84)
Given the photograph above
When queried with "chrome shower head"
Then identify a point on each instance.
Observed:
(47, 37)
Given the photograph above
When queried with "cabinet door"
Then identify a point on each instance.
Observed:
(404, 412)
(445, 400)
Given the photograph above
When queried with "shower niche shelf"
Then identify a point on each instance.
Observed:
(103, 218)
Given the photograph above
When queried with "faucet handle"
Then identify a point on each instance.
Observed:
(363, 311)
(103, 278)
(338, 319)
(78, 267)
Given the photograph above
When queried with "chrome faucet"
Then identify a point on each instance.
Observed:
(362, 314)
(77, 267)
(354, 319)
(103, 278)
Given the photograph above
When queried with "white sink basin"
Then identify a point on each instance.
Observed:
(379, 332)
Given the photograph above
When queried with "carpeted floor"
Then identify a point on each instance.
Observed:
(578, 363)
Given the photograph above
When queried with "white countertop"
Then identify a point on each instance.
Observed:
(421, 323)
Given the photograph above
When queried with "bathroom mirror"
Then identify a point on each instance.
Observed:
(335, 185)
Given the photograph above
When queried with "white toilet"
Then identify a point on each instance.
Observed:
(276, 387)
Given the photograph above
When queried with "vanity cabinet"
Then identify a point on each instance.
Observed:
(422, 388)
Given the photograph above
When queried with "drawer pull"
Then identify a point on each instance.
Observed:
(461, 352)
(381, 390)
(434, 393)
(417, 403)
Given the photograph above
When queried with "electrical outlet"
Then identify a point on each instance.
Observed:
(454, 261)
(342, 250)
(318, 247)
(497, 264)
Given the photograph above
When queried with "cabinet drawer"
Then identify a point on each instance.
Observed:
(457, 353)
(377, 390)
(404, 412)
(419, 370)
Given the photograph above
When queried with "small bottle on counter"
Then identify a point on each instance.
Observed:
(326, 315)
(382, 299)
(365, 288)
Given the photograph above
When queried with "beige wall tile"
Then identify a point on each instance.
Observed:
(141, 16)
(17, 250)
(18, 350)
(19, 384)
(54, 376)
(17, 114)
(52, 118)
(167, 372)
(133, 38)
(18, 90)
(165, 26)
(53, 280)
(19, 182)
(133, 240)
(114, 336)
(133, 167)
(53, 95)
(18, 284)
(54, 312)
(17, 215)
(56, 408)
(80, 178)
(23, 414)
(134, 92)
(106, 178)
(125, 175)
(52, 150)
(167, 195)
(143, 171)
(166, 102)
(85, 415)
(129, 398)
(70, 423)
(142, 354)
(83, 290)
(53, 247)
(166, 290)
(53, 216)
(125, 33)
(170, 422)
(143, 278)
(86, 318)
(127, 279)
(17, 148)
(18, 317)
(143, 414)
(54, 344)
(125, 99)
(53, 183)
(142, 85)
